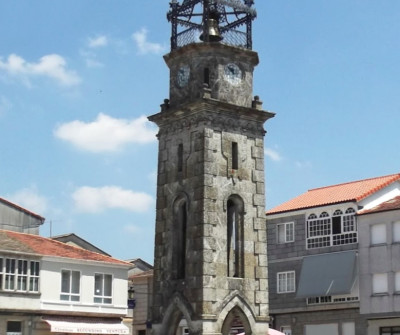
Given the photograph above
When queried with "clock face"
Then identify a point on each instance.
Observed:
(233, 74)
(182, 76)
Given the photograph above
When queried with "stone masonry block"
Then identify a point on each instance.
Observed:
(261, 272)
(262, 236)
(262, 260)
(259, 164)
(258, 176)
(262, 297)
(259, 142)
(258, 223)
(263, 284)
(260, 188)
(258, 200)
(260, 248)
(257, 152)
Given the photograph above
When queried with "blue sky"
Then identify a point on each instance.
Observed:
(78, 78)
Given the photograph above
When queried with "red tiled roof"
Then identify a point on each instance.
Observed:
(148, 273)
(43, 246)
(389, 205)
(352, 191)
(9, 203)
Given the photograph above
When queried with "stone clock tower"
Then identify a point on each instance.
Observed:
(210, 265)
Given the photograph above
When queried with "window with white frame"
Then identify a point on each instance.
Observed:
(286, 282)
(325, 230)
(285, 232)
(396, 231)
(103, 288)
(379, 283)
(70, 285)
(378, 233)
(17, 275)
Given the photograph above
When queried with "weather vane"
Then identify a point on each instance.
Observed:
(229, 21)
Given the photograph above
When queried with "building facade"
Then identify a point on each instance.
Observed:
(379, 250)
(49, 287)
(314, 255)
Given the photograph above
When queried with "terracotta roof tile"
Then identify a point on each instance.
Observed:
(42, 246)
(352, 191)
(389, 205)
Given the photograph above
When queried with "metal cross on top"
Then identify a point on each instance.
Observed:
(229, 21)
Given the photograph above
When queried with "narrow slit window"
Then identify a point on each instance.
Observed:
(207, 76)
(235, 241)
(180, 157)
(235, 154)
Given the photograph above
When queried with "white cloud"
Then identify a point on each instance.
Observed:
(97, 199)
(29, 199)
(144, 46)
(99, 41)
(303, 165)
(106, 134)
(272, 154)
(5, 105)
(90, 58)
(132, 229)
(52, 66)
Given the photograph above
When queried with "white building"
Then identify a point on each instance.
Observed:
(47, 286)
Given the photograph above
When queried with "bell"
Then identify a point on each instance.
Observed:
(213, 32)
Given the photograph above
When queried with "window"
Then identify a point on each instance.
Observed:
(286, 282)
(285, 232)
(103, 288)
(326, 231)
(287, 330)
(397, 281)
(10, 274)
(206, 79)
(22, 278)
(70, 285)
(389, 330)
(379, 283)
(180, 157)
(235, 240)
(18, 275)
(34, 277)
(396, 231)
(179, 238)
(378, 233)
(235, 156)
(14, 327)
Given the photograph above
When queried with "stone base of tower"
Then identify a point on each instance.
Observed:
(208, 328)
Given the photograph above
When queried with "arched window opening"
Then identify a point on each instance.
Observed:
(337, 222)
(235, 238)
(179, 239)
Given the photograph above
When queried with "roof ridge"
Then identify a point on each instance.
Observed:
(15, 234)
(354, 181)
